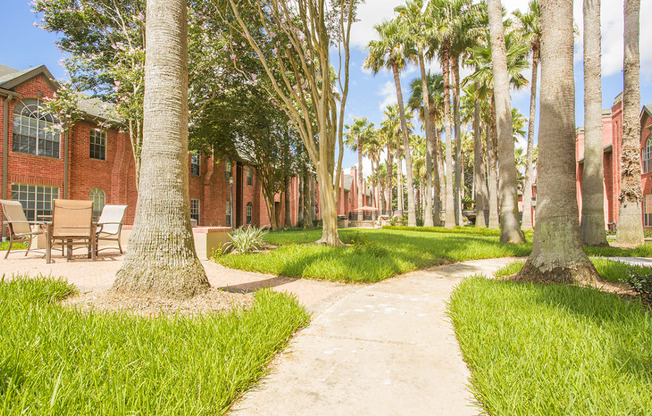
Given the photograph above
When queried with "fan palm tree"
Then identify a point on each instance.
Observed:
(530, 31)
(389, 52)
(161, 258)
(630, 227)
(510, 227)
(358, 131)
(472, 100)
(435, 87)
(386, 138)
(557, 252)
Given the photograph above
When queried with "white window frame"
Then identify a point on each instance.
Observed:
(97, 140)
(646, 156)
(98, 196)
(34, 130)
(35, 199)
(195, 209)
(195, 161)
(250, 213)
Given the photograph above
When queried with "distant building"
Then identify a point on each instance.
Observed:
(612, 138)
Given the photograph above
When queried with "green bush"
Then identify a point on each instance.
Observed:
(640, 281)
(245, 240)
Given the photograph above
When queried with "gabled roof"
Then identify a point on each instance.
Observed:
(10, 78)
(647, 109)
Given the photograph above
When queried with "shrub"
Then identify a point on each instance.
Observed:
(641, 282)
(245, 240)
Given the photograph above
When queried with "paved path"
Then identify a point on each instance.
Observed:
(385, 349)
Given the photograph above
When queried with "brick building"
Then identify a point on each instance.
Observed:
(91, 162)
(612, 137)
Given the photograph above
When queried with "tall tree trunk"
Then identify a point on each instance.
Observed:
(307, 209)
(557, 252)
(361, 190)
(287, 203)
(436, 184)
(526, 223)
(399, 180)
(430, 142)
(630, 225)
(450, 202)
(493, 182)
(328, 201)
(477, 165)
(301, 202)
(390, 163)
(412, 216)
(459, 169)
(510, 226)
(442, 176)
(161, 258)
(592, 225)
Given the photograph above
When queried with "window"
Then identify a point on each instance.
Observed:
(36, 200)
(99, 200)
(195, 164)
(98, 144)
(250, 177)
(647, 156)
(33, 130)
(228, 168)
(194, 210)
(228, 213)
(250, 210)
(647, 210)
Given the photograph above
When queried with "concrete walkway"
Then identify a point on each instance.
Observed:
(385, 349)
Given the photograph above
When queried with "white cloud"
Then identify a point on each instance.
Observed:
(388, 94)
(371, 13)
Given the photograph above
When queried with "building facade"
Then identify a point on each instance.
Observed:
(612, 138)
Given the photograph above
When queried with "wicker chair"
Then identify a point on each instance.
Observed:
(20, 230)
(109, 226)
(72, 225)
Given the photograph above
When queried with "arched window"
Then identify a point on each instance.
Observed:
(99, 199)
(646, 157)
(250, 210)
(34, 130)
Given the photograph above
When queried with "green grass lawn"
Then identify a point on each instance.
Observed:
(17, 246)
(553, 349)
(373, 255)
(57, 361)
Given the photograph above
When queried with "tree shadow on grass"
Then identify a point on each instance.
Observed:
(251, 287)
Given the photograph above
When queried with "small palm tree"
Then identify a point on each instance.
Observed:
(355, 140)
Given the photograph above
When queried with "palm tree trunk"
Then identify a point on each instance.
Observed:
(436, 184)
(161, 258)
(442, 176)
(477, 165)
(493, 182)
(557, 252)
(526, 223)
(592, 225)
(359, 177)
(427, 217)
(390, 162)
(450, 202)
(412, 217)
(399, 180)
(459, 169)
(630, 225)
(510, 226)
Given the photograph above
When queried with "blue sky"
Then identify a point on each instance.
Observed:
(23, 45)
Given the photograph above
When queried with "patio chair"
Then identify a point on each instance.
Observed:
(72, 225)
(20, 230)
(109, 226)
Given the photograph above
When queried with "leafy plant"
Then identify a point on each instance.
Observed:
(245, 240)
(641, 282)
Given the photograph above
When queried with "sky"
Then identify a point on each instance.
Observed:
(23, 45)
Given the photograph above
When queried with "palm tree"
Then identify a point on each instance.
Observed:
(630, 227)
(435, 87)
(354, 139)
(443, 14)
(510, 227)
(557, 252)
(389, 52)
(472, 99)
(386, 138)
(417, 24)
(530, 30)
(161, 258)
